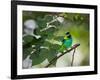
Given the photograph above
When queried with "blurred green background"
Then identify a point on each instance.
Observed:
(76, 23)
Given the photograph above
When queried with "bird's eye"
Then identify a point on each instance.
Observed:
(67, 33)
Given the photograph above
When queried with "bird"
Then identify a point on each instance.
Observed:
(66, 42)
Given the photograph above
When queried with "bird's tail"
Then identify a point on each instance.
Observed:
(62, 48)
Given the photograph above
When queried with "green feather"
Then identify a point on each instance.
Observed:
(67, 43)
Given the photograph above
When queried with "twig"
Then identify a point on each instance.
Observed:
(73, 58)
(57, 57)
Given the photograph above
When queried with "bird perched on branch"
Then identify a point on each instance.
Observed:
(66, 42)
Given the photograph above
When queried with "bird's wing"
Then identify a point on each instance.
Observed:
(63, 40)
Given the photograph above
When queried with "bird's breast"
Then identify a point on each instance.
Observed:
(68, 43)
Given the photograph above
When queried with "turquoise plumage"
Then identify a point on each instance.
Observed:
(67, 42)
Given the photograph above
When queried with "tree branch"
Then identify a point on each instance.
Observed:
(73, 58)
(57, 57)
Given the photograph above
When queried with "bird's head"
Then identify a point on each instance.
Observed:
(68, 35)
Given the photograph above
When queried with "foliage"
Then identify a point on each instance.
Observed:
(77, 24)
